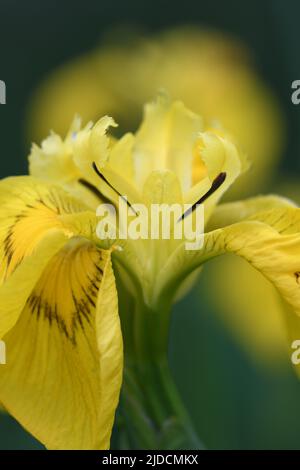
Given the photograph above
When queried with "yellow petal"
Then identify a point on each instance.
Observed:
(219, 155)
(64, 355)
(92, 145)
(250, 309)
(121, 157)
(53, 161)
(16, 290)
(166, 140)
(29, 209)
(271, 243)
(232, 212)
(246, 302)
(162, 187)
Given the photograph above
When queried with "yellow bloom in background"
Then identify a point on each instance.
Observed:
(58, 297)
(210, 72)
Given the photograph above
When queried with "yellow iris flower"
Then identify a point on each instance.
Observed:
(211, 72)
(214, 75)
(58, 295)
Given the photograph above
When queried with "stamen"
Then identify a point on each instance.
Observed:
(101, 176)
(217, 182)
(94, 190)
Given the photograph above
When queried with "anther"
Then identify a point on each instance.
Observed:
(217, 182)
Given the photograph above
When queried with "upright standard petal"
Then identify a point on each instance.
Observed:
(166, 141)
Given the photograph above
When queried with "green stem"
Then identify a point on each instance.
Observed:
(152, 411)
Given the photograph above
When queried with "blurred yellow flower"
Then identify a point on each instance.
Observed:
(209, 71)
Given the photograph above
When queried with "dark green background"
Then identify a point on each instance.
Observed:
(233, 404)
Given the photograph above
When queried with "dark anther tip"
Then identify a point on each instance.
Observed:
(217, 182)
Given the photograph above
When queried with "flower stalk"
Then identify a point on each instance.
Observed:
(153, 413)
